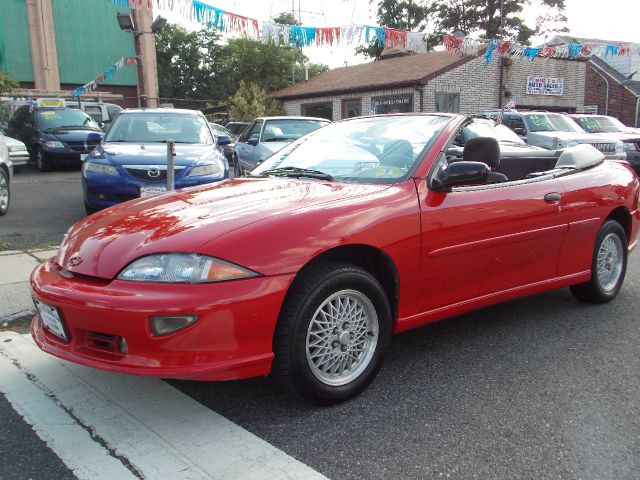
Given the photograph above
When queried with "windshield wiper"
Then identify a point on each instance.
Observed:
(279, 139)
(297, 173)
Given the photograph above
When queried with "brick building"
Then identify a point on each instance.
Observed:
(609, 92)
(435, 81)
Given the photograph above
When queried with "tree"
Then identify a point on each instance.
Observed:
(286, 18)
(6, 84)
(498, 18)
(402, 15)
(251, 101)
(266, 64)
(188, 63)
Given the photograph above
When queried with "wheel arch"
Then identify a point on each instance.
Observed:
(372, 259)
(623, 217)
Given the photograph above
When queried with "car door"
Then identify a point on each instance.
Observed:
(246, 145)
(481, 240)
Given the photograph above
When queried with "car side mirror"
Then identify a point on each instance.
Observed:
(519, 130)
(224, 139)
(253, 141)
(102, 125)
(461, 173)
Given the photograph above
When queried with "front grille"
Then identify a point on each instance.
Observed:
(605, 147)
(151, 173)
(102, 341)
(83, 147)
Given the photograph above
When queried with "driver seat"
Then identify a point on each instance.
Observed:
(485, 150)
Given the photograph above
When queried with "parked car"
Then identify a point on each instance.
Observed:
(610, 127)
(17, 151)
(227, 137)
(54, 135)
(267, 135)
(102, 113)
(304, 274)
(131, 162)
(6, 174)
(555, 131)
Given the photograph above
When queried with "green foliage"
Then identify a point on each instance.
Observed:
(251, 101)
(188, 63)
(286, 18)
(6, 84)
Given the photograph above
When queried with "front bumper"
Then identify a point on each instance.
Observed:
(19, 158)
(232, 338)
(102, 191)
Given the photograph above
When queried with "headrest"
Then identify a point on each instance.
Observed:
(482, 149)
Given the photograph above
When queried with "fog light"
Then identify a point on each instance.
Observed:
(165, 325)
(123, 346)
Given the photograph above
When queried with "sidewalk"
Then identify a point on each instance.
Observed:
(16, 266)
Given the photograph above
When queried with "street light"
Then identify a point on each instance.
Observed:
(127, 24)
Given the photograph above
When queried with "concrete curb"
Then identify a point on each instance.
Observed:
(23, 317)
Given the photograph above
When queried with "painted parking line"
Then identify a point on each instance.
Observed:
(107, 425)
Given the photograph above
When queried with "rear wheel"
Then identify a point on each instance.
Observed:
(332, 334)
(43, 163)
(608, 265)
(5, 192)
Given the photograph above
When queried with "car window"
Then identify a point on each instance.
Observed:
(549, 122)
(113, 111)
(219, 129)
(159, 127)
(600, 124)
(94, 112)
(63, 118)
(380, 149)
(236, 128)
(515, 122)
(254, 133)
(286, 130)
(244, 136)
(485, 129)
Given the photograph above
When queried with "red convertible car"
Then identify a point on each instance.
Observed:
(304, 268)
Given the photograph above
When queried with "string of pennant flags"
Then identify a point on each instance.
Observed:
(302, 36)
(93, 84)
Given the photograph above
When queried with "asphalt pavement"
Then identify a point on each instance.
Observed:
(537, 388)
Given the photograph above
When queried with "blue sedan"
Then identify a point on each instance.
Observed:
(131, 161)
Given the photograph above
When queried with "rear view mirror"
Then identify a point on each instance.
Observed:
(461, 173)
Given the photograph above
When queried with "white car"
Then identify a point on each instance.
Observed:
(17, 151)
(6, 173)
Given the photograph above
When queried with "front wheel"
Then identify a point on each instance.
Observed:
(43, 163)
(5, 192)
(608, 266)
(332, 333)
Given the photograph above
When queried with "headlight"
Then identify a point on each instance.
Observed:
(183, 268)
(53, 144)
(18, 148)
(619, 148)
(205, 170)
(99, 168)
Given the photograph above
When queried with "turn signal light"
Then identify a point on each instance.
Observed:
(164, 325)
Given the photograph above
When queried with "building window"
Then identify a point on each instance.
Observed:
(321, 110)
(392, 104)
(448, 102)
(351, 107)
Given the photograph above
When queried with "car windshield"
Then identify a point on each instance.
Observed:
(486, 129)
(550, 122)
(158, 127)
(600, 124)
(379, 149)
(286, 130)
(64, 118)
(219, 129)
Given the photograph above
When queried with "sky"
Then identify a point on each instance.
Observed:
(608, 20)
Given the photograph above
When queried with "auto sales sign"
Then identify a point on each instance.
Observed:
(545, 86)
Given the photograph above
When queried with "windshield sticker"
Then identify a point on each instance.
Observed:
(589, 124)
(539, 121)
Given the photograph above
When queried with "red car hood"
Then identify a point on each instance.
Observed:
(102, 244)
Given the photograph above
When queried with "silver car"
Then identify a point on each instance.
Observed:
(6, 173)
(266, 135)
(17, 151)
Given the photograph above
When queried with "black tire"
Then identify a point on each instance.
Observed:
(5, 192)
(237, 169)
(319, 287)
(89, 209)
(608, 265)
(42, 162)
